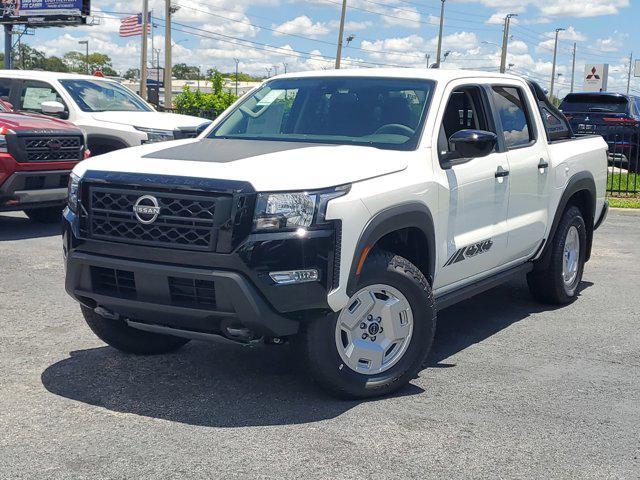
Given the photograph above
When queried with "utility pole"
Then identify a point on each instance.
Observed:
(505, 40)
(555, 56)
(237, 60)
(168, 100)
(143, 54)
(8, 32)
(629, 76)
(573, 66)
(285, 67)
(341, 34)
(439, 51)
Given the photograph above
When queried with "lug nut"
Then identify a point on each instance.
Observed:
(370, 317)
(373, 338)
(378, 319)
(381, 330)
(363, 325)
(364, 336)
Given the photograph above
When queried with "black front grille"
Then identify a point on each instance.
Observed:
(112, 282)
(52, 148)
(186, 220)
(189, 292)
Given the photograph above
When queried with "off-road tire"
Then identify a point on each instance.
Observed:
(318, 338)
(117, 334)
(45, 215)
(547, 285)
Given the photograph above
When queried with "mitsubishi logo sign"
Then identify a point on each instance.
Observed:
(595, 77)
(593, 74)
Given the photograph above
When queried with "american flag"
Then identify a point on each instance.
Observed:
(132, 26)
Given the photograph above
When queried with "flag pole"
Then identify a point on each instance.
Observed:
(143, 54)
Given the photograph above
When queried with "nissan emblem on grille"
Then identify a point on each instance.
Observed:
(146, 209)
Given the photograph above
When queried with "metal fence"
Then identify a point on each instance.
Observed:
(623, 138)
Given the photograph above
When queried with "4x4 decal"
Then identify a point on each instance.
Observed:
(470, 251)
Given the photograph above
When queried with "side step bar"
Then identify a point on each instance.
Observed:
(451, 298)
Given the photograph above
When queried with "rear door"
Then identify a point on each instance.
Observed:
(529, 166)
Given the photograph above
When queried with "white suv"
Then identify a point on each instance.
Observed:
(112, 116)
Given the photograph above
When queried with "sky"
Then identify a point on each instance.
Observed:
(267, 34)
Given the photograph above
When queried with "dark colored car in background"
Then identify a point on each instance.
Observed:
(37, 154)
(614, 116)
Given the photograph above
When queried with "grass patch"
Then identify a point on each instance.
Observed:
(624, 202)
(624, 182)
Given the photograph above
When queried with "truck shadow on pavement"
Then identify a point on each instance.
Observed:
(13, 227)
(233, 386)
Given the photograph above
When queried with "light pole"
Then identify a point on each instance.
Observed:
(237, 60)
(286, 65)
(86, 56)
(427, 56)
(555, 56)
(573, 66)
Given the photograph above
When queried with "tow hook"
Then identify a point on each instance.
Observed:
(108, 314)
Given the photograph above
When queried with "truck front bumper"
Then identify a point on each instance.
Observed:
(24, 190)
(203, 292)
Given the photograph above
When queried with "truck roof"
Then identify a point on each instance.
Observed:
(436, 74)
(45, 75)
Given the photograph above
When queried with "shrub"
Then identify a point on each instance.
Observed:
(210, 105)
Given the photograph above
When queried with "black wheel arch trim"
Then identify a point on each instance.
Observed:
(107, 140)
(407, 215)
(581, 181)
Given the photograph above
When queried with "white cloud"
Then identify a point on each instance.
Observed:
(301, 25)
(408, 17)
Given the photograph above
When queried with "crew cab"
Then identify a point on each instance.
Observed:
(338, 211)
(37, 154)
(112, 115)
(615, 116)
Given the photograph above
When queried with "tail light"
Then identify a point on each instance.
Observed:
(87, 153)
(620, 120)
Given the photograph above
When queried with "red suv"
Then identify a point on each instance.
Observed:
(37, 154)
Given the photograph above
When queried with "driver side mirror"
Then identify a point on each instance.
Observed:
(54, 108)
(469, 144)
(202, 127)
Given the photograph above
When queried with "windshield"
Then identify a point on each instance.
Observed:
(382, 112)
(102, 96)
(595, 103)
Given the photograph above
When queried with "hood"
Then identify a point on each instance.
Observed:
(159, 120)
(268, 166)
(26, 121)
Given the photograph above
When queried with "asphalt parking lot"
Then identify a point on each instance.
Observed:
(512, 389)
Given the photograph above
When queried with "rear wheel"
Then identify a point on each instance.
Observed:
(380, 340)
(121, 336)
(558, 283)
(45, 215)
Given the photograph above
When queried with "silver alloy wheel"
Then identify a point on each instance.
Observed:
(374, 330)
(571, 257)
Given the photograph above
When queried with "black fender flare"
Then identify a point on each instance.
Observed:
(413, 214)
(107, 140)
(581, 181)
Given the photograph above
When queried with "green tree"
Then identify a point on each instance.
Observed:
(77, 62)
(182, 71)
(132, 74)
(203, 104)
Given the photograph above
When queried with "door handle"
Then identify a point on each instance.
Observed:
(501, 173)
(542, 164)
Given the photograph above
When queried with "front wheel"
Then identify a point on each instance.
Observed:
(380, 340)
(558, 283)
(45, 215)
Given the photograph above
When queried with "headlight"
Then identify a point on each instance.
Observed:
(4, 131)
(276, 211)
(282, 211)
(155, 135)
(72, 193)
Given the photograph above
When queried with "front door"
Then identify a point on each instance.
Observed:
(474, 202)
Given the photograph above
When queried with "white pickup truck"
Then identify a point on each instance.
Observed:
(339, 211)
(111, 115)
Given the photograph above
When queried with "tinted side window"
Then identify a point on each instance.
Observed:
(556, 127)
(34, 93)
(513, 115)
(5, 89)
